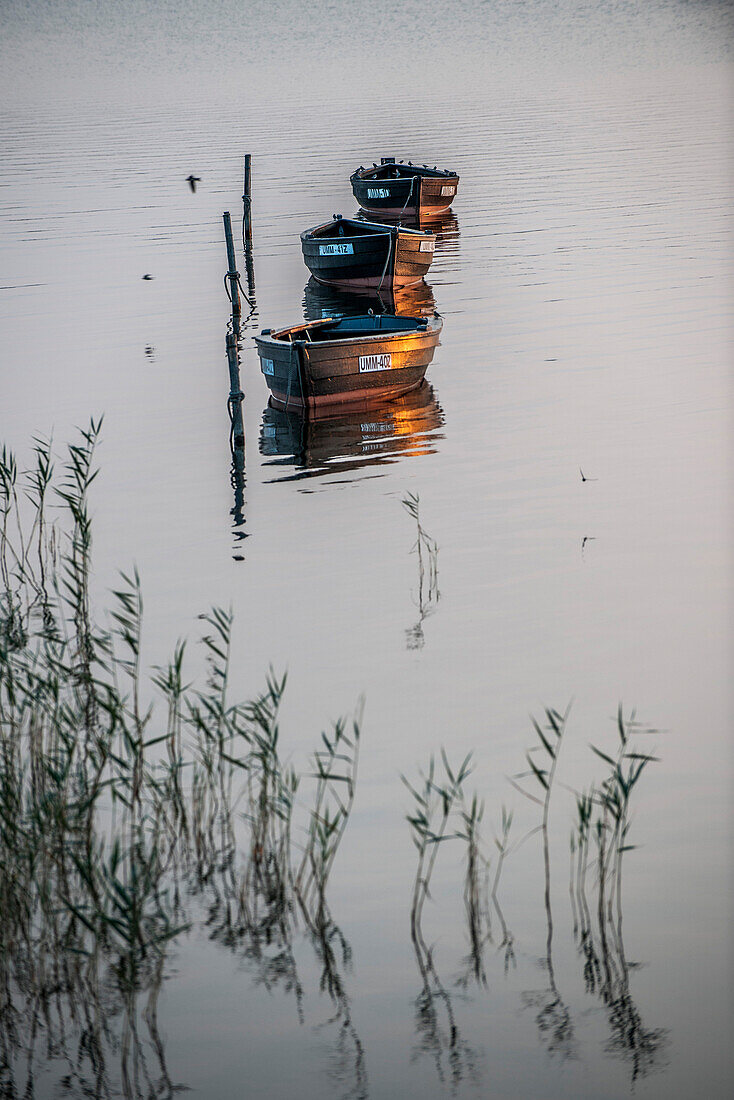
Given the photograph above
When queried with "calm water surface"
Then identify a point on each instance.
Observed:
(584, 278)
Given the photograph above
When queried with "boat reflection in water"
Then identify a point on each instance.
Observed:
(351, 438)
(326, 301)
(445, 226)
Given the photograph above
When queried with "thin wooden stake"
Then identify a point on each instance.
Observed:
(232, 274)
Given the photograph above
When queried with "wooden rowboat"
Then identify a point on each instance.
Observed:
(330, 362)
(394, 188)
(355, 254)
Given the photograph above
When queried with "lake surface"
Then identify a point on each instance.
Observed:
(585, 280)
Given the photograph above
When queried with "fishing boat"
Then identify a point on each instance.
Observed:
(355, 254)
(335, 360)
(394, 188)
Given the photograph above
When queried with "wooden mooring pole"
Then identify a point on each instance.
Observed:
(233, 350)
(247, 232)
(236, 396)
(232, 274)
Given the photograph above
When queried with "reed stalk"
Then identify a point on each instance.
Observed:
(113, 818)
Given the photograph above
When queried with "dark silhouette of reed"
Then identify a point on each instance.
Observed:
(553, 1017)
(118, 822)
(476, 889)
(434, 803)
(506, 944)
(122, 821)
(603, 815)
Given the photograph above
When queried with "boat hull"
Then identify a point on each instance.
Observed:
(389, 259)
(420, 196)
(317, 375)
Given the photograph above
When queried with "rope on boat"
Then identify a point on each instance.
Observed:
(410, 192)
(290, 374)
(305, 388)
(387, 259)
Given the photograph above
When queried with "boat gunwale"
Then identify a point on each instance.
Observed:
(412, 171)
(382, 229)
(279, 340)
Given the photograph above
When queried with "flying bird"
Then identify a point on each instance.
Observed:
(147, 277)
(192, 181)
(584, 478)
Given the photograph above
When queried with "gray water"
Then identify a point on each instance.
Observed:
(584, 282)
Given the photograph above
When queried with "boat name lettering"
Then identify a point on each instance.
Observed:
(428, 246)
(336, 250)
(447, 190)
(378, 193)
(375, 362)
(268, 366)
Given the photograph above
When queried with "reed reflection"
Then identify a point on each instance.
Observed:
(553, 1018)
(502, 844)
(476, 894)
(436, 798)
(426, 550)
(347, 1055)
(599, 843)
(321, 301)
(603, 819)
(351, 438)
(120, 821)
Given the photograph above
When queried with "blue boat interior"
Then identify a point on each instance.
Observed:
(393, 171)
(346, 227)
(345, 327)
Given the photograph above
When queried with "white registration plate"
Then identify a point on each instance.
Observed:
(428, 246)
(336, 250)
(268, 366)
(375, 362)
(447, 190)
(378, 193)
